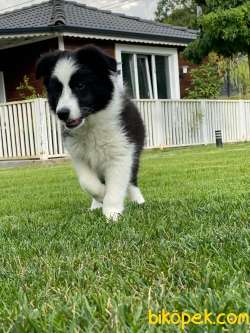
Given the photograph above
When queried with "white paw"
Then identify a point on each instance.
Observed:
(140, 201)
(95, 205)
(112, 214)
(135, 195)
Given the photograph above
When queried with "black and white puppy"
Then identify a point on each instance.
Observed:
(103, 131)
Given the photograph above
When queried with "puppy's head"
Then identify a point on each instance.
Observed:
(78, 83)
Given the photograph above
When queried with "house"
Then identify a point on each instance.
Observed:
(146, 51)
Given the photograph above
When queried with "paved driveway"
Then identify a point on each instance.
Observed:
(19, 163)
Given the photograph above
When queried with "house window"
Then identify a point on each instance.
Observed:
(149, 72)
(145, 76)
(162, 76)
(137, 72)
(128, 73)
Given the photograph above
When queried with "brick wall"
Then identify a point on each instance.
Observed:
(74, 43)
(185, 79)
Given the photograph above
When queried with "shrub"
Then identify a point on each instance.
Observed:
(206, 82)
(26, 90)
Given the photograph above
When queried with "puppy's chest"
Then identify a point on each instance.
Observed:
(97, 146)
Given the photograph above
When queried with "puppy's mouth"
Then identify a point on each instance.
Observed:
(74, 123)
(78, 122)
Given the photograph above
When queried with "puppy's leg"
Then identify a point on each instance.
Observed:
(89, 181)
(135, 195)
(95, 205)
(117, 178)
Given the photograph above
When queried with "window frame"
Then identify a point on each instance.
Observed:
(147, 67)
(173, 64)
(2, 88)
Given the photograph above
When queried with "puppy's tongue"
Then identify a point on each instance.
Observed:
(73, 122)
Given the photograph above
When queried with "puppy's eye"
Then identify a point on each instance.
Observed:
(80, 86)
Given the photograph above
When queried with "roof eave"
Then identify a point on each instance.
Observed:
(126, 34)
(111, 33)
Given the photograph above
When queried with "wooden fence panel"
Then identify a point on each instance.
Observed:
(17, 130)
(194, 122)
(177, 123)
(54, 134)
(225, 116)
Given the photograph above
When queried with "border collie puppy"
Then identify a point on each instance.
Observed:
(102, 129)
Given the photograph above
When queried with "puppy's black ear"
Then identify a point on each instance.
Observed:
(46, 63)
(94, 57)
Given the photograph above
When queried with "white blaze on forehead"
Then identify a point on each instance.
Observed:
(63, 71)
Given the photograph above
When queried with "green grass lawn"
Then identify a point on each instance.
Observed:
(65, 269)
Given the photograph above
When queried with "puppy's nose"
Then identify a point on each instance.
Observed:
(63, 114)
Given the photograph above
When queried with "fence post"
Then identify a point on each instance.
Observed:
(243, 123)
(247, 117)
(204, 123)
(41, 126)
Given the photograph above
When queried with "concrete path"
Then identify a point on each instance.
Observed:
(21, 163)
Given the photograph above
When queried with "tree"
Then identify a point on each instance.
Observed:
(212, 5)
(182, 17)
(177, 12)
(225, 30)
(165, 7)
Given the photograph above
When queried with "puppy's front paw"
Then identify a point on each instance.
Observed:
(112, 214)
(95, 205)
(99, 195)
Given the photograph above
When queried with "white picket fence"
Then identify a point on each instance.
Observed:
(173, 123)
(29, 130)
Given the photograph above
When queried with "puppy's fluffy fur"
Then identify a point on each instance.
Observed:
(103, 130)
